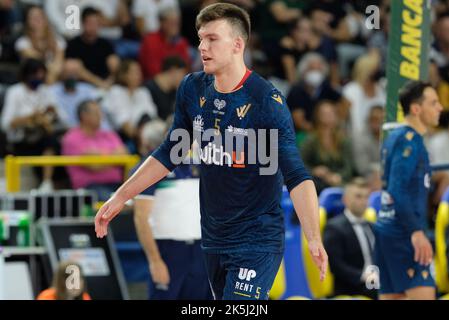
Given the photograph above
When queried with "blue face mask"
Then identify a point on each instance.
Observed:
(35, 83)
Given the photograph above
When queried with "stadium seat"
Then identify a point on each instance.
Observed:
(441, 226)
(331, 200)
(373, 206)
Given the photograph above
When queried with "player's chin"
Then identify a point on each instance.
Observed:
(209, 67)
(208, 70)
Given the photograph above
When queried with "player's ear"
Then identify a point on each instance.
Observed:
(415, 108)
(239, 44)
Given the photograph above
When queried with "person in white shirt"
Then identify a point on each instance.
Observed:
(128, 103)
(40, 42)
(438, 146)
(30, 117)
(365, 91)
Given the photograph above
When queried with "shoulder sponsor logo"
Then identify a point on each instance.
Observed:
(277, 98)
(243, 110)
(219, 104)
(198, 123)
(202, 101)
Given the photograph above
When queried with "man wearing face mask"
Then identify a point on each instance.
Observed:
(30, 116)
(70, 91)
(313, 86)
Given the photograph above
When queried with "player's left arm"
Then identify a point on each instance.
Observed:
(296, 177)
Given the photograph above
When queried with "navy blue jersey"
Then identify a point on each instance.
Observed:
(406, 183)
(240, 208)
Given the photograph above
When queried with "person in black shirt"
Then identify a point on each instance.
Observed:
(163, 86)
(313, 86)
(95, 55)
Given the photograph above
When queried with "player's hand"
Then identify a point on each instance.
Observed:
(423, 248)
(319, 257)
(159, 272)
(107, 212)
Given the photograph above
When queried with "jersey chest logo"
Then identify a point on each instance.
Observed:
(243, 110)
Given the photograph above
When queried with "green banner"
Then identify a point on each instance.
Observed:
(408, 50)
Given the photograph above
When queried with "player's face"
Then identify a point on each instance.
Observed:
(430, 108)
(218, 45)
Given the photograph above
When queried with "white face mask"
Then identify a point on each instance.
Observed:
(314, 78)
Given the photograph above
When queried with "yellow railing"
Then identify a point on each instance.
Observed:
(13, 164)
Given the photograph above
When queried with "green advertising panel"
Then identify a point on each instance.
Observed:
(408, 50)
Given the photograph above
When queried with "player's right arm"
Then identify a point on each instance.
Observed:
(155, 167)
(404, 164)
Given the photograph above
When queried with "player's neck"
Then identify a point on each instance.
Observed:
(226, 80)
(416, 124)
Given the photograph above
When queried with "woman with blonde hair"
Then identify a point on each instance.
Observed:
(365, 90)
(327, 151)
(40, 42)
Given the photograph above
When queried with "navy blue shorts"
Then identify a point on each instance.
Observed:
(242, 275)
(187, 269)
(398, 270)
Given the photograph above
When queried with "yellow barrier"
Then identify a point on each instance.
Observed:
(13, 164)
(441, 263)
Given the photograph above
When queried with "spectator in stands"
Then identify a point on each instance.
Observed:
(166, 42)
(8, 22)
(173, 250)
(326, 151)
(31, 117)
(147, 14)
(128, 103)
(365, 90)
(113, 14)
(95, 55)
(275, 17)
(6, 13)
(378, 40)
(367, 143)
(70, 92)
(302, 39)
(343, 24)
(60, 290)
(439, 57)
(164, 85)
(349, 239)
(312, 86)
(89, 139)
(40, 42)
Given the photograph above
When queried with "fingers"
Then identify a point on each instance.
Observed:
(424, 254)
(323, 267)
(417, 254)
(101, 222)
